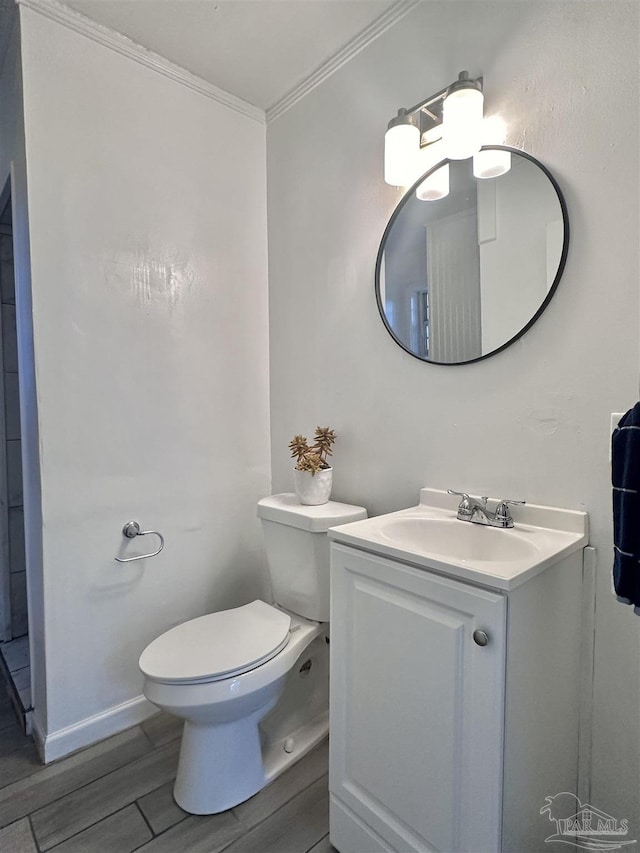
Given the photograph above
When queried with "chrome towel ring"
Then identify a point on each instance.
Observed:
(131, 530)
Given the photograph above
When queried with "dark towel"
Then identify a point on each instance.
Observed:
(625, 477)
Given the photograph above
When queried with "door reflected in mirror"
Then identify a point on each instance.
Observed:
(461, 278)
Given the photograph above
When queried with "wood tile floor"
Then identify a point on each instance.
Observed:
(116, 797)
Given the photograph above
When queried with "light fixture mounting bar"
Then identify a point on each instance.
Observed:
(429, 111)
(432, 99)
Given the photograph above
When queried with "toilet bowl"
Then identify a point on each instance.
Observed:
(251, 683)
(221, 762)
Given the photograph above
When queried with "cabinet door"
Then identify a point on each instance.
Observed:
(417, 708)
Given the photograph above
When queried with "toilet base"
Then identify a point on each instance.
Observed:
(208, 779)
(205, 787)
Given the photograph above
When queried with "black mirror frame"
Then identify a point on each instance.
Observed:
(561, 265)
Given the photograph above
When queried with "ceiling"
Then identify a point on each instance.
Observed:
(258, 50)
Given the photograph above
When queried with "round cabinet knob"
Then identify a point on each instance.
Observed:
(481, 638)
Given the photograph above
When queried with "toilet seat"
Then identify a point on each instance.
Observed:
(217, 646)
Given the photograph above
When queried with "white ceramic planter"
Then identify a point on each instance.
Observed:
(313, 490)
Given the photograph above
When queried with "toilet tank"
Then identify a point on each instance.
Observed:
(297, 546)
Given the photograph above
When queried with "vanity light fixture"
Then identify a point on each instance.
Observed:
(462, 114)
(401, 149)
(436, 185)
(454, 114)
(491, 163)
(451, 121)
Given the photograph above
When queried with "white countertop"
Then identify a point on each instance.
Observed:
(430, 536)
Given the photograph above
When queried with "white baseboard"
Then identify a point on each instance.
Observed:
(92, 729)
(37, 734)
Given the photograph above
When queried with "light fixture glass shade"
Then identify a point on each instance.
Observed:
(491, 163)
(401, 150)
(462, 122)
(436, 186)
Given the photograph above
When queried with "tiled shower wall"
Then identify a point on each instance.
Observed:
(19, 624)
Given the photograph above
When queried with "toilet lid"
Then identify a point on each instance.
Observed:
(218, 645)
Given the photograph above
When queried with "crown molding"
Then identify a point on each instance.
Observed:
(375, 29)
(113, 40)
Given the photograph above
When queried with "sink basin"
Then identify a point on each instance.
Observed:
(430, 536)
(449, 537)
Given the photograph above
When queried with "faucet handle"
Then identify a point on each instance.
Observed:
(464, 507)
(502, 509)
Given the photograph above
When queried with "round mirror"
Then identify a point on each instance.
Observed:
(461, 276)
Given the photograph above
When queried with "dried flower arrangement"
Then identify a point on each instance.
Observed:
(312, 458)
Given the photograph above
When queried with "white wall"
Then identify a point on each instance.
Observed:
(149, 277)
(533, 421)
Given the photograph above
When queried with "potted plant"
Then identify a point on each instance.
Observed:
(312, 474)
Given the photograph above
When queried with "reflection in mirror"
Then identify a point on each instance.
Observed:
(460, 278)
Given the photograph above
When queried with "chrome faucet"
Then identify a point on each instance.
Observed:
(475, 510)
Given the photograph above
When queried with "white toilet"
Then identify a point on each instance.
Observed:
(252, 683)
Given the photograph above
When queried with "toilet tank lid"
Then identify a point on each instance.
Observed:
(287, 509)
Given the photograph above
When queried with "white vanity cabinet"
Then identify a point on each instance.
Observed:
(454, 704)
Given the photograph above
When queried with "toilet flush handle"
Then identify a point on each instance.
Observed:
(131, 530)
